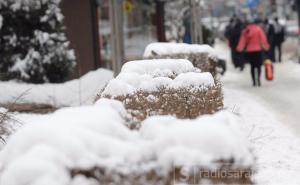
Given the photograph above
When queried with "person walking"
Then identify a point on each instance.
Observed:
(228, 35)
(270, 33)
(253, 42)
(237, 56)
(279, 38)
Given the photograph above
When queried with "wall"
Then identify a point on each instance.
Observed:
(82, 31)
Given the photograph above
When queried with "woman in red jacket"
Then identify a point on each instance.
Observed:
(253, 42)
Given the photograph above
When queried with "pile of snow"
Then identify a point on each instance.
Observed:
(72, 93)
(159, 67)
(178, 48)
(202, 141)
(152, 75)
(45, 150)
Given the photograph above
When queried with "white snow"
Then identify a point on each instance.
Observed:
(8, 125)
(276, 148)
(72, 93)
(191, 79)
(72, 137)
(159, 67)
(48, 146)
(129, 83)
(84, 137)
(151, 75)
(270, 115)
(200, 141)
(161, 48)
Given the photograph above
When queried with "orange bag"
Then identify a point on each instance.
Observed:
(268, 69)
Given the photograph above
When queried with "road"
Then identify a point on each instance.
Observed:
(281, 96)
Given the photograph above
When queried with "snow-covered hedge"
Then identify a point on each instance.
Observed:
(202, 56)
(33, 44)
(165, 87)
(92, 144)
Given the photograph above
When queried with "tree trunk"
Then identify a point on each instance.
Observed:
(160, 23)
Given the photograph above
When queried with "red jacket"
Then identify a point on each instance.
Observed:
(253, 39)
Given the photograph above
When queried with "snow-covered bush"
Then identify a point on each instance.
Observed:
(202, 56)
(178, 22)
(165, 87)
(33, 44)
(92, 144)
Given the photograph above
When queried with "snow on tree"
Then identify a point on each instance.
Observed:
(175, 13)
(33, 44)
(178, 21)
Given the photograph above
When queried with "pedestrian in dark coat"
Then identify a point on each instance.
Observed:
(235, 35)
(279, 38)
(228, 35)
(270, 33)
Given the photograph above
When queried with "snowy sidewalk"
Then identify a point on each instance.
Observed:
(276, 148)
(280, 96)
(267, 112)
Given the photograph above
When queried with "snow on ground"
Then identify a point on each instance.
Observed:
(276, 148)
(72, 93)
(269, 113)
(280, 96)
(45, 149)
(96, 135)
(266, 115)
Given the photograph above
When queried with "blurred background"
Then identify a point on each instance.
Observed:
(146, 21)
(107, 33)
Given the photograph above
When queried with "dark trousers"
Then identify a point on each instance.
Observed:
(233, 52)
(256, 60)
(237, 59)
(271, 53)
(277, 47)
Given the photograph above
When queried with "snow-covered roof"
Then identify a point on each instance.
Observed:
(161, 48)
(151, 75)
